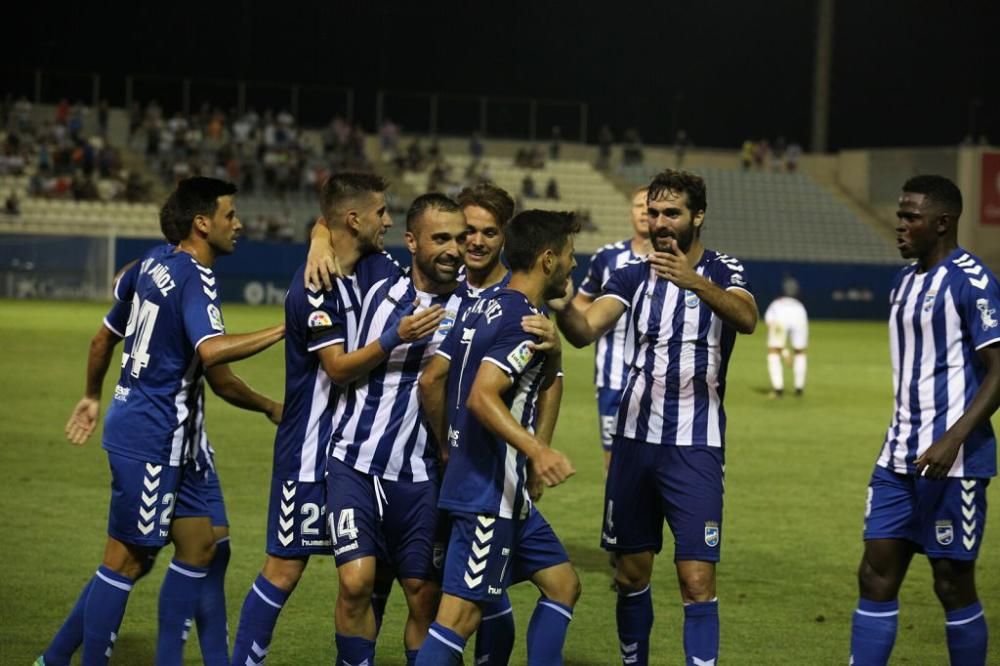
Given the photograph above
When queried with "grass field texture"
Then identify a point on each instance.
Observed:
(797, 470)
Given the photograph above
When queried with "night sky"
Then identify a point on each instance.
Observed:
(904, 72)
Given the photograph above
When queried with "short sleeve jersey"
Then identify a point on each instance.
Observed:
(677, 380)
(485, 474)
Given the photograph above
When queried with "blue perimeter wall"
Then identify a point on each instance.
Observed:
(259, 272)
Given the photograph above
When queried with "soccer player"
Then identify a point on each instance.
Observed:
(928, 491)
(685, 304)
(355, 214)
(614, 349)
(382, 471)
(486, 416)
(176, 331)
(210, 617)
(787, 322)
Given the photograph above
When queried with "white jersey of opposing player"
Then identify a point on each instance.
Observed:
(786, 318)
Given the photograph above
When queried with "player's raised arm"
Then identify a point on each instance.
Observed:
(344, 367)
(734, 306)
(487, 405)
(233, 389)
(220, 349)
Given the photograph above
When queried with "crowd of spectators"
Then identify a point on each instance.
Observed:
(265, 153)
(65, 156)
(763, 155)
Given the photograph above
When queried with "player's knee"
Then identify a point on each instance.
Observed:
(562, 585)
(874, 584)
(698, 586)
(422, 597)
(197, 554)
(283, 573)
(954, 587)
(630, 580)
(355, 586)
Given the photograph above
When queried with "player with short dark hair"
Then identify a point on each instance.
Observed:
(685, 304)
(613, 351)
(317, 321)
(151, 430)
(210, 615)
(928, 491)
(484, 417)
(382, 470)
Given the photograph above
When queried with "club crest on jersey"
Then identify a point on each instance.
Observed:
(986, 313)
(319, 319)
(691, 299)
(521, 356)
(929, 300)
(943, 532)
(215, 317)
(448, 321)
(711, 534)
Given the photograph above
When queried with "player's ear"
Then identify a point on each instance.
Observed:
(411, 241)
(201, 223)
(698, 219)
(352, 220)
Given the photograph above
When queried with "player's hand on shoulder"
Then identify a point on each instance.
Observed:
(542, 328)
(83, 420)
(419, 325)
(561, 303)
(322, 267)
(275, 413)
(552, 466)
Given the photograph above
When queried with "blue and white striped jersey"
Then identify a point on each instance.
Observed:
(157, 413)
(937, 322)
(314, 320)
(377, 424)
(614, 349)
(485, 474)
(677, 379)
(116, 321)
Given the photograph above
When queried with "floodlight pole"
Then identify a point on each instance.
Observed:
(821, 75)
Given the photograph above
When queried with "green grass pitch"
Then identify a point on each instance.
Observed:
(796, 476)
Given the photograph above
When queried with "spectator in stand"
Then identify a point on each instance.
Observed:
(528, 187)
(761, 154)
(632, 148)
(555, 146)
(605, 139)
(746, 154)
(681, 143)
(476, 147)
(414, 156)
(792, 156)
(388, 138)
(552, 189)
(12, 204)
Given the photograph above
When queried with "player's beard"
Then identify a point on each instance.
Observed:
(435, 271)
(684, 239)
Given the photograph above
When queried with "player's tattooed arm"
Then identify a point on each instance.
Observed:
(233, 389)
(220, 349)
(83, 420)
(432, 390)
(344, 367)
(322, 265)
(486, 404)
(936, 461)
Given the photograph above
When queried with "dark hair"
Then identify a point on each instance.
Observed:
(531, 232)
(347, 185)
(429, 201)
(672, 180)
(491, 198)
(192, 197)
(938, 189)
